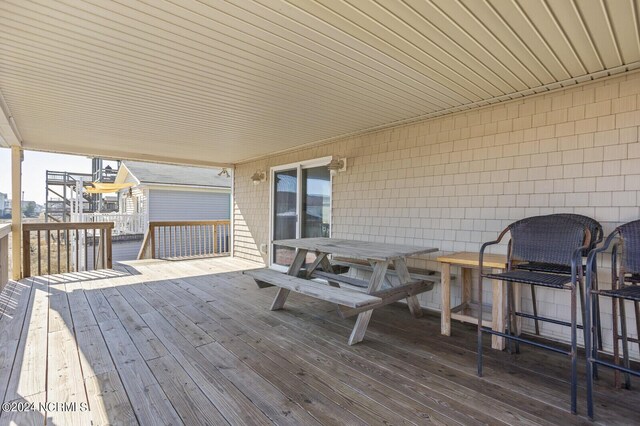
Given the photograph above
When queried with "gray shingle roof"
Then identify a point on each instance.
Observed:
(168, 174)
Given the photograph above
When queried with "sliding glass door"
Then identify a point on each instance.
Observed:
(285, 213)
(301, 206)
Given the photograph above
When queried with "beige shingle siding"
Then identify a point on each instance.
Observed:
(455, 181)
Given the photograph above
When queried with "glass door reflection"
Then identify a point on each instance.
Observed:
(285, 214)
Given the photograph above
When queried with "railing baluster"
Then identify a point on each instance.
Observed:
(77, 250)
(39, 259)
(171, 241)
(224, 239)
(86, 251)
(164, 241)
(103, 243)
(49, 252)
(68, 251)
(93, 245)
(58, 248)
(215, 238)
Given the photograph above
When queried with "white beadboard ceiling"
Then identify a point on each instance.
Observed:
(216, 81)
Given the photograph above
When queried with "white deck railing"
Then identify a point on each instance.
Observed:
(123, 223)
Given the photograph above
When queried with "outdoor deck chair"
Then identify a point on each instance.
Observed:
(553, 240)
(625, 280)
(597, 235)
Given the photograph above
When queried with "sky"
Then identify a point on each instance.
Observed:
(34, 170)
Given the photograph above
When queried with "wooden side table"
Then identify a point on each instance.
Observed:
(467, 311)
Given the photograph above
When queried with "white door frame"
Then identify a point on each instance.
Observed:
(298, 166)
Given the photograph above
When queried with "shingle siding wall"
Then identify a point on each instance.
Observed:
(456, 181)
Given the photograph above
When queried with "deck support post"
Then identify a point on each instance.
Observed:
(16, 210)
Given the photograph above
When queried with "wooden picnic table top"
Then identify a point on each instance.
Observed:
(356, 249)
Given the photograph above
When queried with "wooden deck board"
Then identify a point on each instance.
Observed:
(108, 401)
(194, 342)
(28, 375)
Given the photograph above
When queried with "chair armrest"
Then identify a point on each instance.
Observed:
(484, 247)
(576, 260)
(591, 258)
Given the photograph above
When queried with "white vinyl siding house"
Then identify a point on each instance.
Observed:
(169, 204)
(163, 192)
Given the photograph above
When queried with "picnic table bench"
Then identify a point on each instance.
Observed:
(379, 256)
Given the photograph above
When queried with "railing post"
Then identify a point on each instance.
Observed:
(16, 208)
(26, 252)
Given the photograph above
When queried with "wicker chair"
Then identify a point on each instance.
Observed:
(553, 240)
(625, 280)
(595, 228)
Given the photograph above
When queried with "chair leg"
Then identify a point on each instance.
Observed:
(514, 318)
(509, 323)
(479, 360)
(596, 301)
(597, 336)
(616, 339)
(588, 348)
(511, 320)
(625, 343)
(582, 309)
(535, 309)
(574, 352)
(637, 312)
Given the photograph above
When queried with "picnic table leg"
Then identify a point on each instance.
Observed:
(296, 265)
(326, 266)
(377, 277)
(405, 278)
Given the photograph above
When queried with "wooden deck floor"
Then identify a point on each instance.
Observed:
(193, 342)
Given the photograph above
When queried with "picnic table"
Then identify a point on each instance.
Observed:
(341, 289)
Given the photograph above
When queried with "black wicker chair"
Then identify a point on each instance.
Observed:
(625, 280)
(595, 228)
(552, 240)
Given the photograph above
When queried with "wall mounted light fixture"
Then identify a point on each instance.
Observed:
(258, 177)
(337, 165)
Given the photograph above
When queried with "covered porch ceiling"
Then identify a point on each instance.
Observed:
(221, 82)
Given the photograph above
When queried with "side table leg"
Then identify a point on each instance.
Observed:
(466, 290)
(445, 324)
(498, 314)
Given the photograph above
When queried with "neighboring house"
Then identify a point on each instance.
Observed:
(3, 202)
(168, 192)
(163, 192)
